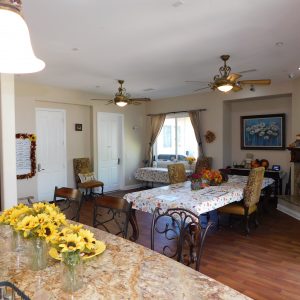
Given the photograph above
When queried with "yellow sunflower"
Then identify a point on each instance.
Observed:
(72, 242)
(27, 224)
(47, 231)
(58, 218)
(75, 228)
(88, 238)
(17, 214)
(39, 207)
(43, 218)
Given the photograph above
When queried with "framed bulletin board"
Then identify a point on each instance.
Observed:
(25, 155)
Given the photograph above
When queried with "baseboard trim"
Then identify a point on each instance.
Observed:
(288, 211)
(131, 187)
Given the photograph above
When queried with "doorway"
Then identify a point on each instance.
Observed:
(51, 151)
(110, 139)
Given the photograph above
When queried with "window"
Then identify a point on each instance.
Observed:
(177, 139)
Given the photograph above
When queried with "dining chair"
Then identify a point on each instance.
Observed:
(112, 214)
(85, 177)
(249, 204)
(182, 232)
(69, 201)
(203, 163)
(176, 173)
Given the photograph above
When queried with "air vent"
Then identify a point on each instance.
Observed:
(148, 90)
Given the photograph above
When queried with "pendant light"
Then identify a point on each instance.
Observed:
(16, 53)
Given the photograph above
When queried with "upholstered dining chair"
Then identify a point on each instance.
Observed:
(203, 163)
(176, 173)
(85, 177)
(180, 229)
(69, 201)
(248, 205)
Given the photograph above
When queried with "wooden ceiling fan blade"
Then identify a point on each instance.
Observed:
(195, 81)
(233, 77)
(135, 103)
(102, 99)
(109, 102)
(258, 81)
(140, 99)
(203, 88)
(236, 88)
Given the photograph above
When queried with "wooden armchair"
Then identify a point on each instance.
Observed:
(176, 173)
(248, 205)
(82, 168)
(69, 201)
(203, 163)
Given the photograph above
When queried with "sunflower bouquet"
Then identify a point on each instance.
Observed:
(190, 159)
(74, 243)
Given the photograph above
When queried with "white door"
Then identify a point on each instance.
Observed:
(110, 147)
(51, 151)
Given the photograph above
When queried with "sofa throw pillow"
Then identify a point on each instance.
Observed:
(86, 177)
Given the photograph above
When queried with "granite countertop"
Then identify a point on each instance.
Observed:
(124, 271)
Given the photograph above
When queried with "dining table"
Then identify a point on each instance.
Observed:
(181, 195)
(125, 270)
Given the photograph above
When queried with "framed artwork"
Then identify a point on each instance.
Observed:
(263, 132)
(78, 127)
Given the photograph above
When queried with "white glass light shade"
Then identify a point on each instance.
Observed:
(121, 103)
(16, 53)
(225, 88)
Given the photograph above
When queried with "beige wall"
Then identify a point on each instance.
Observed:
(30, 97)
(217, 117)
(262, 106)
(79, 109)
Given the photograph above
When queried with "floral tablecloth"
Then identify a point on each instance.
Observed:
(181, 196)
(154, 174)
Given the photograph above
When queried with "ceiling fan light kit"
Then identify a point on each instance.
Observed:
(227, 81)
(16, 53)
(122, 98)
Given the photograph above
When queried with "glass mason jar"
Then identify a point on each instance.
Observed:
(38, 254)
(195, 185)
(16, 241)
(71, 271)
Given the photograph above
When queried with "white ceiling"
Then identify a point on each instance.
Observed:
(156, 44)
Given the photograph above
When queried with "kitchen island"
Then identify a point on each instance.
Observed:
(124, 271)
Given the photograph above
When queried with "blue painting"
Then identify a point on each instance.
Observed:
(263, 132)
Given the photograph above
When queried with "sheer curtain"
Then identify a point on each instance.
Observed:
(195, 120)
(157, 123)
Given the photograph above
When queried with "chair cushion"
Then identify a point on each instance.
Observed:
(90, 184)
(85, 177)
(236, 209)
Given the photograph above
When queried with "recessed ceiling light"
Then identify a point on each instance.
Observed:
(299, 68)
(279, 44)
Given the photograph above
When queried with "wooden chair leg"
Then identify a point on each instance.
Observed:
(256, 219)
(246, 219)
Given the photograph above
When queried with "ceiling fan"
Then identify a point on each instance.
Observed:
(122, 98)
(227, 81)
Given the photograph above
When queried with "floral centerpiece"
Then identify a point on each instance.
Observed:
(71, 245)
(190, 160)
(196, 181)
(211, 177)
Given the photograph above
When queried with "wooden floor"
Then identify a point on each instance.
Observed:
(263, 265)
